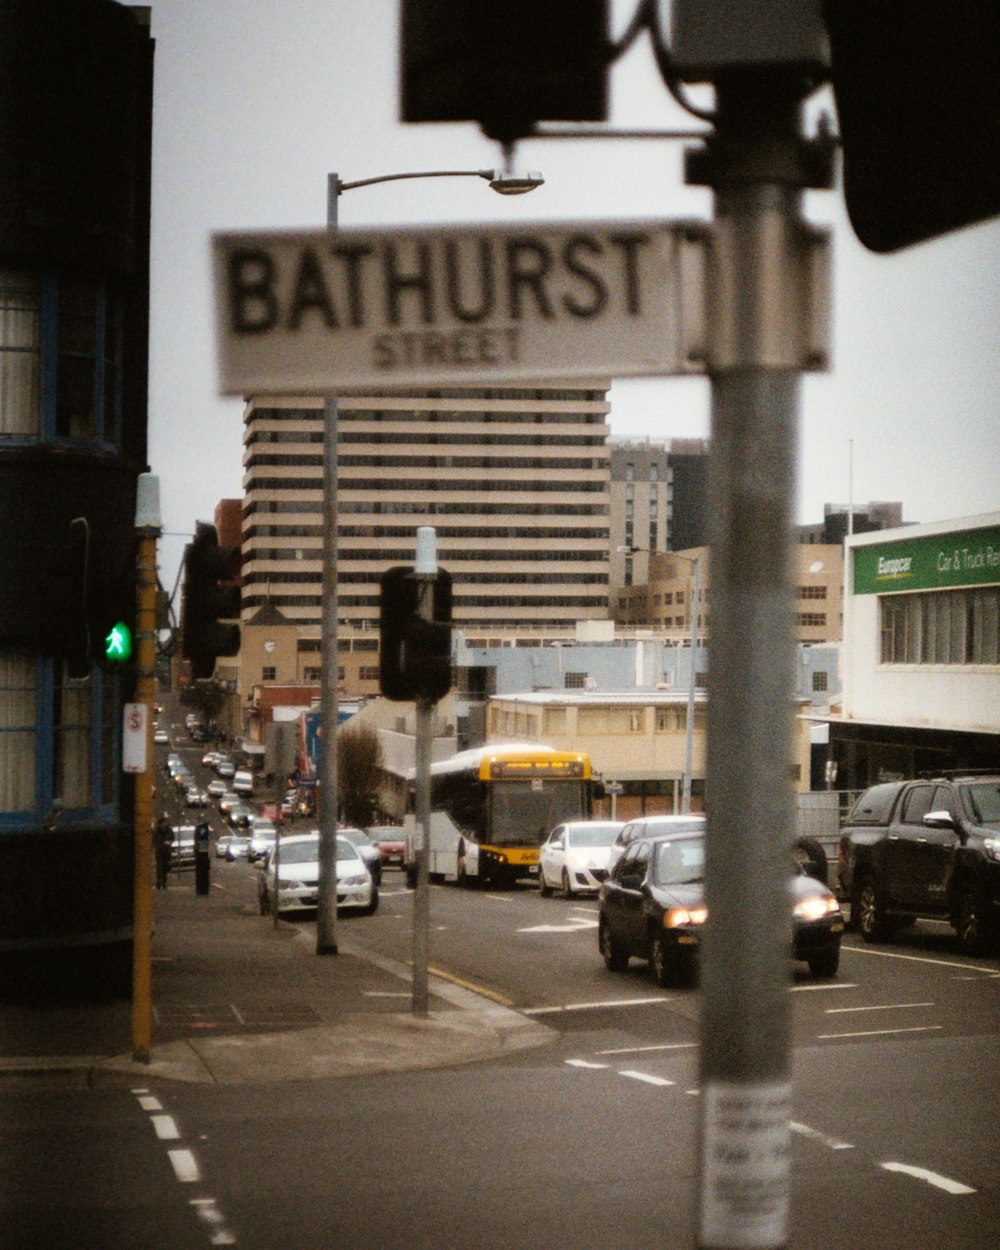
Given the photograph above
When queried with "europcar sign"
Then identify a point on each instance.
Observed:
(323, 311)
(937, 562)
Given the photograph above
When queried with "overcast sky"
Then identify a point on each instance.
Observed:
(258, 100)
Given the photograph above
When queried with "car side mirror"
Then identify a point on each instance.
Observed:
(940, 820)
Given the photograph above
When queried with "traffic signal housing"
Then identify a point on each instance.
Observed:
(506, 64)
(414, 653)
(211, 601)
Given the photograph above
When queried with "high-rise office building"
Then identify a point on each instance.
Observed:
(514, 480)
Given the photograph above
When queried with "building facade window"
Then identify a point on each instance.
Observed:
(268, 673)
(59, 743)
(60, 358)
(941, 627)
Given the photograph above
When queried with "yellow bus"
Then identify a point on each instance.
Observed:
(492, 807)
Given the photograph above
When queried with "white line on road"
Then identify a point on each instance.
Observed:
(925, 1028)
(185, 1166)
(814, 1134)
(150, 1103)
(596, 1006)
(638, 1050)
(165, 1127)
(584, 1063)
(932, 1178)
(841, 1011)
(823, 985)
(645, 1077)
(917, 959)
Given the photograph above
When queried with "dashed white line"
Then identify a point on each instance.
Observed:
(924, 1028)
(840, 1011)
(584, 1063)
(639, 1050)
(165, 1127)
(596, 1006)
(932, 1178)
(185, 1166)
(814, 1134)
(646, 1078)
(150, 1103)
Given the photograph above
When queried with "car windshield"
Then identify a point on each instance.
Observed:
(679, 861)
(300, 852)
(593, 835)
(983, 798)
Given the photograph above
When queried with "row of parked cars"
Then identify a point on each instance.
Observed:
(649, 876)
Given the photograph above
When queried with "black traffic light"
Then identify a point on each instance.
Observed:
(414, 654)
(506, 64)
(918, 101)
(88, 603)
(211, 601)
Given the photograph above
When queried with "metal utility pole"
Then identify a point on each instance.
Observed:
(147, 524)
(326, 903)
(692, 686)
(761, 310)
(425, 570)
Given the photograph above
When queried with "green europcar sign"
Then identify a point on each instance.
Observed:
(937, 562)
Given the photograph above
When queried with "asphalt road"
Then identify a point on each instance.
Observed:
(588, 1143)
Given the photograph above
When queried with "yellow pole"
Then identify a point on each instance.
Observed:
(142, 959)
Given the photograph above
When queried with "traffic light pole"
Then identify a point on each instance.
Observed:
(147, 530)
(425, 571)
(760, 308)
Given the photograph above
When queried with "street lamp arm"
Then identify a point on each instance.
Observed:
(506, 184)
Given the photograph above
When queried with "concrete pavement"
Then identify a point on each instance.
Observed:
(238, 999)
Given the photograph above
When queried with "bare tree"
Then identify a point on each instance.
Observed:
(359, 774)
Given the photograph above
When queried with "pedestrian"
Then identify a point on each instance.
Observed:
(163, 845)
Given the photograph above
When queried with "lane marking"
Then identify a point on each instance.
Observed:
(925, 1028)
(209, 1213)
(824, 985)
(584, 1063)
(917, 959)
(646, 1078)
(150, 1103)
(185, 1166)
(165, 1127)
(932, 1178)
(841, 1011)
(814, 1134)
(639, 1050)
(575, 924)
(595, 1006)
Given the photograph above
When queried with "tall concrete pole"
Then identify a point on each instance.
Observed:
(759, 306)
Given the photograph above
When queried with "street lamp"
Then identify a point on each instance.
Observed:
(504, 183)
(693, 676)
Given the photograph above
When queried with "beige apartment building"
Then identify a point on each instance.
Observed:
(666, 601)
(514, 480)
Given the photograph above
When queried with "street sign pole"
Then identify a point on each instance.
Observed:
(425, 570)
(760, 300)
(326, 911)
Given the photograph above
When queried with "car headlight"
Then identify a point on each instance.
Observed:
(991, 848)
(678, 917)
(357, 879)
(816, 906)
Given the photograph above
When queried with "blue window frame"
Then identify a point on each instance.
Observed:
(60, 358)
(60, 743)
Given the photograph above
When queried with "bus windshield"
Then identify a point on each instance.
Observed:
(522, 813)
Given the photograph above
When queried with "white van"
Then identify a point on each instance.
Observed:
(243, 781)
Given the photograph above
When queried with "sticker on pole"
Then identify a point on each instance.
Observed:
(321, 311)
(746, 1166)
(134, 738)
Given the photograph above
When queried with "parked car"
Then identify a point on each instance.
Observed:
(929, 849)
(652, 906)
(644, 826)
(238, 846)
(182, 850)
(263, 836)
(391, 844)
(243, 781)
(368, 851)
(290, 879)
(574, 857)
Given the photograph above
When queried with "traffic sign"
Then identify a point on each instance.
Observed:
(134, 737)
(320, 312)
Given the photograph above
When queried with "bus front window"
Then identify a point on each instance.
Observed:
(522, 813)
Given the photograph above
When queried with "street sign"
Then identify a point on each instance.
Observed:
(134, 737)
(321, 312)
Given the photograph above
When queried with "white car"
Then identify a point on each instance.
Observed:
(290, 878)
(574, 857)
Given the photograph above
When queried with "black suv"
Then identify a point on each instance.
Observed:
(928, 849)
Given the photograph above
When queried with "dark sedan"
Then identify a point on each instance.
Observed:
(652, 906)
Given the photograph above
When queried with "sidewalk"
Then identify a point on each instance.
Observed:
(236, 999)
